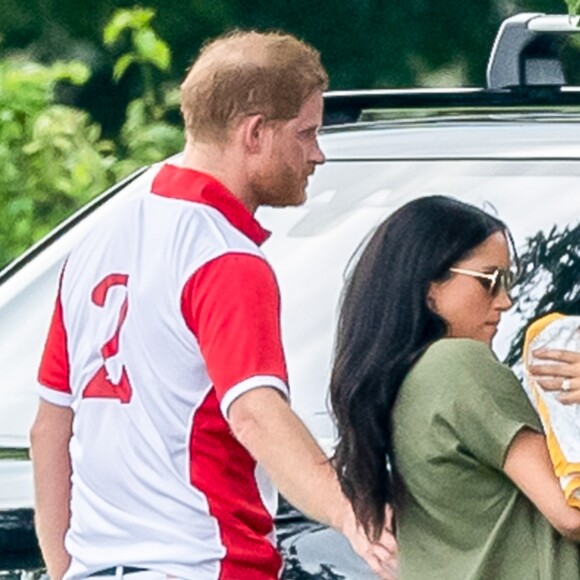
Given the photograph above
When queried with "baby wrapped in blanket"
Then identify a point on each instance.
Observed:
(561, 422)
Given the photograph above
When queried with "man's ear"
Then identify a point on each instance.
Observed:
(254, 133)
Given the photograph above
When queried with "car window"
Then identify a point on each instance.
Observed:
(312, 246)
(311, 249)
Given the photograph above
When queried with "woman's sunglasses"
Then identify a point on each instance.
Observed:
(493, 282)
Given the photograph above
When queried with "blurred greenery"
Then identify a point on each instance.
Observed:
(53, 156)
(573, 7)
(88, 90)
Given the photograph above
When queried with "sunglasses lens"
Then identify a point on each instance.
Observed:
(503, 280)
(494, 282)
(489, 285)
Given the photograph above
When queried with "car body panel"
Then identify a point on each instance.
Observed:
(468, 135)
(527, 173)
(311, 245)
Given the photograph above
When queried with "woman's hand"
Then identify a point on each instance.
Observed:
(562, 373)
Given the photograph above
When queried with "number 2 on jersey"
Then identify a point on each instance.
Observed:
(101, 386)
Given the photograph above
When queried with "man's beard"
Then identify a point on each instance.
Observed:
(279, 187)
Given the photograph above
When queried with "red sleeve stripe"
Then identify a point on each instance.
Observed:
(54, 371)
(223, 470)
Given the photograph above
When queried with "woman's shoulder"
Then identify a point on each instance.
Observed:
(458, 358)
(458, 349)
(453, 373)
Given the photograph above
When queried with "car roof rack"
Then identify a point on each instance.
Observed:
(526, 51)
(345, 107)
(524, 70)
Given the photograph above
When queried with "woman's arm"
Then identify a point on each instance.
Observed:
(528, 465)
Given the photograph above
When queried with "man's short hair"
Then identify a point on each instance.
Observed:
(244, 73)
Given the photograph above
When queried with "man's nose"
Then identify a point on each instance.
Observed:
(318, 156)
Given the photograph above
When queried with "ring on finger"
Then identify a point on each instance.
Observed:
(566, 384)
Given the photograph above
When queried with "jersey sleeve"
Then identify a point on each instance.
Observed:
(54, 371)
(480, 400)
(232, 305)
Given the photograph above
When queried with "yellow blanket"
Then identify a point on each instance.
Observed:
(561, 422)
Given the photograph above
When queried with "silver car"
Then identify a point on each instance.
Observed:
(512, 148)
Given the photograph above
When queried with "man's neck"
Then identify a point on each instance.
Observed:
(224, 164)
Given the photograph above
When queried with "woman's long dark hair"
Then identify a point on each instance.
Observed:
(385, 324)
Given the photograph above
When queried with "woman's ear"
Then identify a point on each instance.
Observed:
(432, 294)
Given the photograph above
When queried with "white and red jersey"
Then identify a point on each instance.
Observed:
(166, 313)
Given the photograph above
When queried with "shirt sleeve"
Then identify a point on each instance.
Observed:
(482, 401)
(54, 371)
(232, 305)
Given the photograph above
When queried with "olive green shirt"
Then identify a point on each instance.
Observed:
(460, 517)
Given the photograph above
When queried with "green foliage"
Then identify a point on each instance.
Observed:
(147, 50)
(122, 20)
(145, 135)
(573, 7)
(145, 140)
(53, 157)
(364, 43)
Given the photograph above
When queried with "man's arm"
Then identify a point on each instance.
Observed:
(232, 306)
(50, 436)
(264, 423)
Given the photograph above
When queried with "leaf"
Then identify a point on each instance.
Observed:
(152, 49)
(122, 64)
(119, 22)
(172, 97)
(75, 72)
(573, 7)
(126, 19)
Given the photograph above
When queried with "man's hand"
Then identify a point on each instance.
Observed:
(381, 556)
(561, 373)
(264, 424)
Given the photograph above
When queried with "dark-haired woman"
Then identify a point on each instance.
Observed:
(416, 387)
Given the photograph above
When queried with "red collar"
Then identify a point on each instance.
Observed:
(191, 185)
